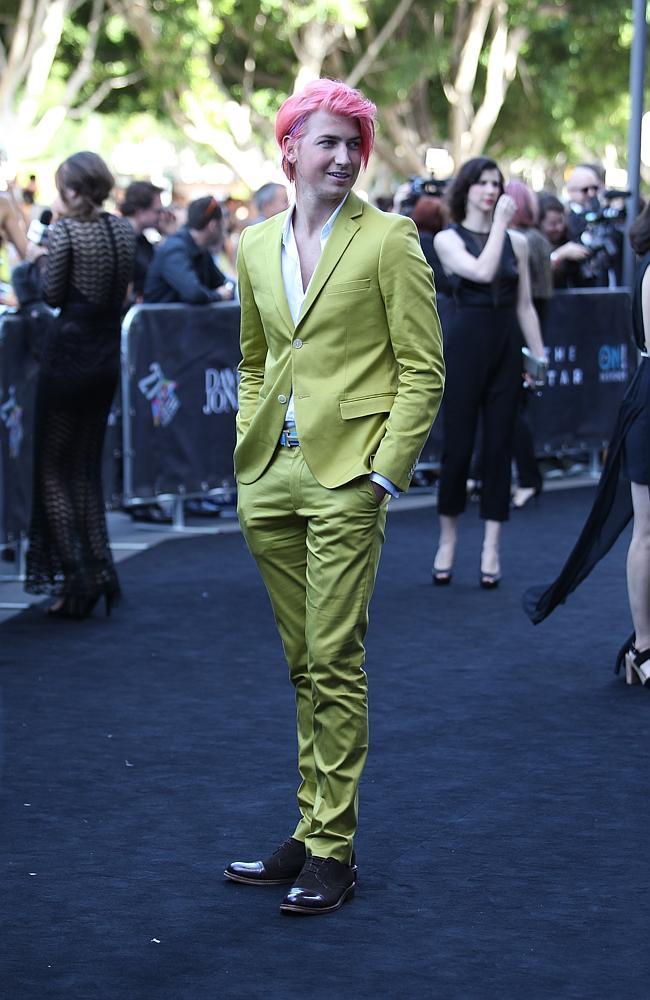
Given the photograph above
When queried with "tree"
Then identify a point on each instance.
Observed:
(224, 69)
(38, 88)
(511, 76)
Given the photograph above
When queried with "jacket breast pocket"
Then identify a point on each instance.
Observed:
(366, 406)
(346, 287)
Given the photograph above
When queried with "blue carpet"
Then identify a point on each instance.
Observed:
(503, 809)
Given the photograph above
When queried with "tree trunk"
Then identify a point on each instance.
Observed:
(470, 129)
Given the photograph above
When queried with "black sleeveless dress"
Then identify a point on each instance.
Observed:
(628, 459)
(483, 360)
(87, 272)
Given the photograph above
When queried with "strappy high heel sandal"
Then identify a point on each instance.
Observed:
(489, 581)
(637, 662)
(637, 666)
(441, 575)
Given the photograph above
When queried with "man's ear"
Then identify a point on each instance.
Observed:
(289, 148)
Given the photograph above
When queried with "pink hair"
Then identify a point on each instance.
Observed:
(526, 201)
(325, 95)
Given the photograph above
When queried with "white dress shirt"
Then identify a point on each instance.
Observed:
(292, 280)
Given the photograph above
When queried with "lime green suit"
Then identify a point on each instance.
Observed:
(365, 365)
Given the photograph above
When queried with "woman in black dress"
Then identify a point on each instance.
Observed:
(86, 273)
(488, 268)
(623, 491)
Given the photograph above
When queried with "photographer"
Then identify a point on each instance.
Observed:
(596, 224)
(422, 201)
(566, 255)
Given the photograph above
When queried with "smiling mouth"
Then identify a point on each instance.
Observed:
(338, 175)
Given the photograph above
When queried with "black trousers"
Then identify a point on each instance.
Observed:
(483, 358)
(523, 448)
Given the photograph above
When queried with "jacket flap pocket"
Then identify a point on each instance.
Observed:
(365, 406)
(336, 287)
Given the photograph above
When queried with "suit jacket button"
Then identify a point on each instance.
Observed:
(282, 398)
(297, 343)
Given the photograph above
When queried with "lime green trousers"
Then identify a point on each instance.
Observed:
(318, 552)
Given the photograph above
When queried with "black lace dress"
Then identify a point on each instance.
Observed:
(86, 274)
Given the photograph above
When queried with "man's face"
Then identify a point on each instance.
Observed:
(553, 226)
(148, 218)
(327, 157)
(213, 235)
(583, 185)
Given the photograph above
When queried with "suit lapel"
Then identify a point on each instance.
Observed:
(273, 246)
(344, 229)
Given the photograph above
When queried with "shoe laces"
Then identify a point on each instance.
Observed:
(285, 843)
(314, 865)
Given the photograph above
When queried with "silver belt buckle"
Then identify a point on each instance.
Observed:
(289, 439)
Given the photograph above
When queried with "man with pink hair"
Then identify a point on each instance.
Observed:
(341, 379)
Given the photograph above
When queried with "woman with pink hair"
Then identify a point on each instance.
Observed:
(529, 478)
(525, 221)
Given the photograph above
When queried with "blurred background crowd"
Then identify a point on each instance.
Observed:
(575, 235)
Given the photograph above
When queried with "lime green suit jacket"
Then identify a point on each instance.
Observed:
(364, 360)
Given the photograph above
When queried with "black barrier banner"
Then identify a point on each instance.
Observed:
(19, 332)
(179, 386)
(591, 354)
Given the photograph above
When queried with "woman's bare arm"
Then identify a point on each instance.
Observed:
(456, 258)
(528, 318)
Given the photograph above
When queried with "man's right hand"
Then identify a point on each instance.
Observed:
(226, 292)
(571, 251)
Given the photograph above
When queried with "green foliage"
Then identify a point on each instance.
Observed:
(571, 93)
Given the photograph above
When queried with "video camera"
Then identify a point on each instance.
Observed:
(422, 186)
(602, 233)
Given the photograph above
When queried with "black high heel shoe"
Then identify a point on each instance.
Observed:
(637, 662)
(637, 667)
(620, 656)
(78, 607)
(489, 581)
(441, 577)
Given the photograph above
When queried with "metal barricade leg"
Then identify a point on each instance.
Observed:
(178, 514)
(595, 467)
(22, 557)
(19, 560)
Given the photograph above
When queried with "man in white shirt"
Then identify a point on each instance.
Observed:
(341, 378)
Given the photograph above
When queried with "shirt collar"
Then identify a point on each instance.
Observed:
(325, 231)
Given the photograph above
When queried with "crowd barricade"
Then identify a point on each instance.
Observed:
(21, 334)
(591, 353)
(592, 356)
(179, 401)
(179, 397)
(22, 337)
